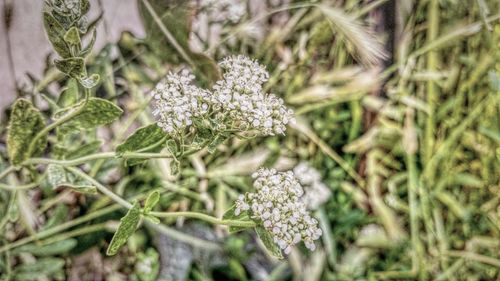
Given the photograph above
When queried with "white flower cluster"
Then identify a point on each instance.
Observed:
(236, 103)
(240, 94)
(315, 192)
(178, 101)
(277, 206)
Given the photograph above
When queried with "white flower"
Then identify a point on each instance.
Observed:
(177, 102)
(237, 102)
(316, 192)
(240, 94)
(277, 205)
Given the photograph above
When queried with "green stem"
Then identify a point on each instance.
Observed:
(49, 232)
(203, 217)
(7, 171)
(58, 122)
(96, 156)
(18, 187)
(127, 205)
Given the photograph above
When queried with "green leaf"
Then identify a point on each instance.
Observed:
(70, 94)
(25, 122)
(230, 215)
(73, 67)
(176, 17)
(84, 188)
(152, 219)
(89, 46)
(268, 242)
(56, 175)
(96, 112)
(151, 201)
(145, 139)
(55, 32)
(83, 149)
(56, 248)
(90, 81)
(218, 140)
(43, 266)
(128, 225)
(72, 36)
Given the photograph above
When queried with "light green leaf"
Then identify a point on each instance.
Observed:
(25, 122)
(152, 219)
(176, 18)
(55, 32)
(73, 67)
(128, 225)
(96, 112)
(32, 271)
(89, 47)
(151, 201)
(56, 175)
(90, 81)
(70, 94)
(143, 139)
(72, 36)
(60, 247)
(268, 242)
(218, 140)
(230, 215)
(81, 188)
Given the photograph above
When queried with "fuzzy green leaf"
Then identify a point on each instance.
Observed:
(218, 140)
(268, 242)
(73, 67)
(176, 17)
(32, 271)
(96, 112)
(85, 51)
(230, 215)
(72, 36)
(90, 81)
(127, 227)
(25, 122)
(55, 32)
(70, 94)
(56, 175)
(60, 247)
(142, 139)
(150, 138)
(151, 201)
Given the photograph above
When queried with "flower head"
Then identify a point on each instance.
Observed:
(177, 102)
(276, 205)
(315, 192)
(237, 102)
(240, 94)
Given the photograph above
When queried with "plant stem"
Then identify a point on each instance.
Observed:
(127, 205)
(58, 122)
(203, 217)
(96, 156)
(7, 171)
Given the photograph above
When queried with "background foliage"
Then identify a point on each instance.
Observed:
(397, 107)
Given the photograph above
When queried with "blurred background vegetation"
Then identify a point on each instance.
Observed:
(397, 108)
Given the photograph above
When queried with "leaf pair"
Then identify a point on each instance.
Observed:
(130, 222)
